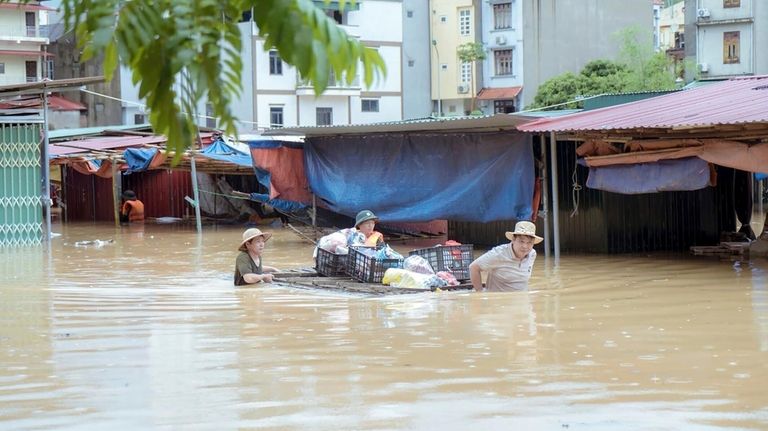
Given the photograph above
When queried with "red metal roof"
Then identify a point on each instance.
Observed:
(56, 103)
(735, 101)
(103, 143)
(28, 6)
(23, 53)
(499, 93)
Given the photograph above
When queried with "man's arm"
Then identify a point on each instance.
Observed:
(475, 276)
(256, 278)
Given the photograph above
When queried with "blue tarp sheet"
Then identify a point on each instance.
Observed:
(759, 176)
(219, 150)
(281, 205)
(663, 176)
(138, 159)
(478, 177)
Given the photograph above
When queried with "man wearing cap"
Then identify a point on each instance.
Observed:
(249, 269)
(365, 222)
(509, 265)
(132, 210)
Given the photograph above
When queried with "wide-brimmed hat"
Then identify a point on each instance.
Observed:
(524, 228)
(364, 216)
(251, 234)
(129, 194)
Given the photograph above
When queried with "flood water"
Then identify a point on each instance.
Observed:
(148, 332)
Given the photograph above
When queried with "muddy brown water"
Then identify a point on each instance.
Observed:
(147, 332)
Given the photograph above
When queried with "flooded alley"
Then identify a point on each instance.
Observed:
(146, 331)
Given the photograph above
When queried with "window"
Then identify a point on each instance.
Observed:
(275, 63)
(443, 19)
(502, 15)
(731, 3)
(731, 47)
(679, 40)
(411, 63)
(324, 116)
(503, 60)
(2, 68)
(466, 73)
(49, 69)
(210, 120)
(370, 105)
(465, 22)
(503, 106)
(409, 14)
(336, 15)
(443, 66)
(276, 116)
(139, 119)
(452, 108)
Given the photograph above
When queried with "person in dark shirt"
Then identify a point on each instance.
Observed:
(249, 268)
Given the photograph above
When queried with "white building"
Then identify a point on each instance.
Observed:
(502, 35)
(22, 43)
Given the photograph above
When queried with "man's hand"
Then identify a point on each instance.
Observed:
(267, 278)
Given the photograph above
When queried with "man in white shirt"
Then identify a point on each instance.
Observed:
(508, 266)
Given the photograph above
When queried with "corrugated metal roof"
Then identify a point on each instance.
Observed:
(83, 131)
(442, 124)
(103, 143)
(499, 93)
(735, 101)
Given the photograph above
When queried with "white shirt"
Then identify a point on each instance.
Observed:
(505, 271)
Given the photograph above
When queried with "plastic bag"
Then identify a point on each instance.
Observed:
(418, 264)
(448, 277)
(332, 241)
(387, 252)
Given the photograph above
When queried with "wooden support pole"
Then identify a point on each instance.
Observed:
(196, 196)
(555, 195)
(115, 191)
(545, 193)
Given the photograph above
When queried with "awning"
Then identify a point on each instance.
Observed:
(499, 93)
(28, 6)
(22, 53)
(56, 103)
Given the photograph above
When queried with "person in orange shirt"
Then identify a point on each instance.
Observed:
(132, 210)
(365, 222)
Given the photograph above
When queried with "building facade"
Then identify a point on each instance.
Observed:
(453, 23)
(417, 100)
(502, 71)
(725, 36)
(23, 43)
(564, 35)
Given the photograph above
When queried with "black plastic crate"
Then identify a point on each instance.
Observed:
(453, 258)
(331, 264)
(368, 269)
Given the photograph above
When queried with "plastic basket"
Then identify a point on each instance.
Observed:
(368, 269)
(453, 258)
(331, 264)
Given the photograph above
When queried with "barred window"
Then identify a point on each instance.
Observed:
(503, 60)
(369, 105)
(502, 15)
(276, 116)
(324, 116)
(731, 42)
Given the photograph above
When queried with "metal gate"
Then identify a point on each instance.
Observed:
(21, 209)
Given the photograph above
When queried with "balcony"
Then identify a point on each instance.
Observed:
(29, 33)
(335, 87)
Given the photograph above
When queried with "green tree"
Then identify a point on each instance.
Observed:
(197, 43)
(638, 68)
(471, 52)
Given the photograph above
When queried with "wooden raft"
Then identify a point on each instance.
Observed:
(311, 280)
(725, 248)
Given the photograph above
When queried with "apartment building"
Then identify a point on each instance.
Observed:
(724, 37)
(23, 43)
(502, 71)
(453, 23)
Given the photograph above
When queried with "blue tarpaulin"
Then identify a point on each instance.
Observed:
(219, 150)
(760, 176)
(478, 177)
(138, 159)
(663, 176)
(281, 205)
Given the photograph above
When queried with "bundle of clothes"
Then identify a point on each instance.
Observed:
(417, 273)
(340, 241)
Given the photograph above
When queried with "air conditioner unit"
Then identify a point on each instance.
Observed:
(703, 67)
(463, 88)
(501, 40)
(702, 13)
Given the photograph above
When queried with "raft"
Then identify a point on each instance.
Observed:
(309, 279)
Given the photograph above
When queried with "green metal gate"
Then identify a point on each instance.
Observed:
(21, 209)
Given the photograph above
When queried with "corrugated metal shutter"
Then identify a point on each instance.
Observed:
(21, 210)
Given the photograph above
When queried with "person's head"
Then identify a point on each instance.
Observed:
(523, 238)
(253, 240)
(129, 195)
(366, 221)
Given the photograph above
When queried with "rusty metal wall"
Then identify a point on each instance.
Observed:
(161, 191)
(614, 223)
(89, 198)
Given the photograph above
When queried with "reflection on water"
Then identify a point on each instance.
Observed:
(147, 332)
